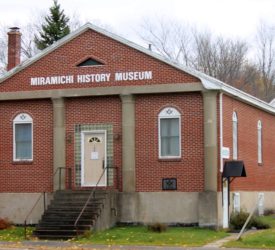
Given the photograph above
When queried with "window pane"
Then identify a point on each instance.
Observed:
(23, 141)
(169, 132)
(235, 140)
(260, 145)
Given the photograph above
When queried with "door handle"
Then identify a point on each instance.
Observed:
(103, 164)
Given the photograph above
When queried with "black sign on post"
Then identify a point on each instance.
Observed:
(232, 169)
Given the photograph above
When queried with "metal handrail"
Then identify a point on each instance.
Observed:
(59, 170)
(35, 204)
(44, 195)
(89, 198)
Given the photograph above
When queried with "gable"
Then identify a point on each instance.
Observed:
(92, 59)
(19, 78)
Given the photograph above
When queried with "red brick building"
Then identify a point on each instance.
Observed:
(162, 132)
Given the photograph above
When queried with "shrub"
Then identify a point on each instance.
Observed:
(157, 227)
(269, 212)
(4, 224)
(259, 224)
(87, 234)
(238, 219)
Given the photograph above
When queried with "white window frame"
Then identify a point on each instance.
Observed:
(260, 142)
(261, 204)
(234, 136)
(236, 202)
(22, 118)
(169, 113)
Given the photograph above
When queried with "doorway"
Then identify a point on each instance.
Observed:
(93, 158)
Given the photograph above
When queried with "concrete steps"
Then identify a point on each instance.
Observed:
(58, 220)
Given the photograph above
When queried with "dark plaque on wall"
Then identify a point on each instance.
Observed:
(169, 184)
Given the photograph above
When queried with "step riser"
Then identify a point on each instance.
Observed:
(78, 199)
(69, 216)
(69, 227)
(65, 224)
(79, 196)
(75, 203)
(75, 195)
(69, 221)
(55, 237)
(57, 232)
(82, 196)
(73, 209)
(60, 232)
(71, 213)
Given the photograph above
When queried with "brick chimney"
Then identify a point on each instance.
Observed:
(14, 47)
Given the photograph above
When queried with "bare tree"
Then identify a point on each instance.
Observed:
(266, 58)
(216, 56)
(169, 38)
(205, 58)
(3, 49)
(221, 58)
(28, 48)
(249, 80)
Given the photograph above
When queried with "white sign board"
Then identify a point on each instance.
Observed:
(94, 156)
(225, 152)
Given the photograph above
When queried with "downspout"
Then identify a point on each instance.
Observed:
(224, 184)
(221, 131)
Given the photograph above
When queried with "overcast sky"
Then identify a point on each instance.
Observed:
(237, 18)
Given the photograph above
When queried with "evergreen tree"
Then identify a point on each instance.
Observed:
(55, 27)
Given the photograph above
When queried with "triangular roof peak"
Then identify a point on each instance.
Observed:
(209, 83)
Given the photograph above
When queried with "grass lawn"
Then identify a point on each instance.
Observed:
(14, 234)
(139, 235)
(264, 239)
(132, 235)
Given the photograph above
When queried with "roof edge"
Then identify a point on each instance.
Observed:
(44, 52)
(209, 83)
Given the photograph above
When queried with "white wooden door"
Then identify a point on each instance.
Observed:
(93, 158)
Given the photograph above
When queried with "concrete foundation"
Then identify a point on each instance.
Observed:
(163, 207)
(208, 210)
(203, 208)
(109, 213)
(248, 200)
(16, 206)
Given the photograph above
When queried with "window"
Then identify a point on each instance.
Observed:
(235, 135)
(90, 62)
(260, 152)
(169, 133)
(261, 204)
(22, 138)
(236, 202)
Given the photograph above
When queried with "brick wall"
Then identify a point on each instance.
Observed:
(94, 110)
(188, 170)
(116, 56)
(149, 169)
(259, 177)
(36, 175)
